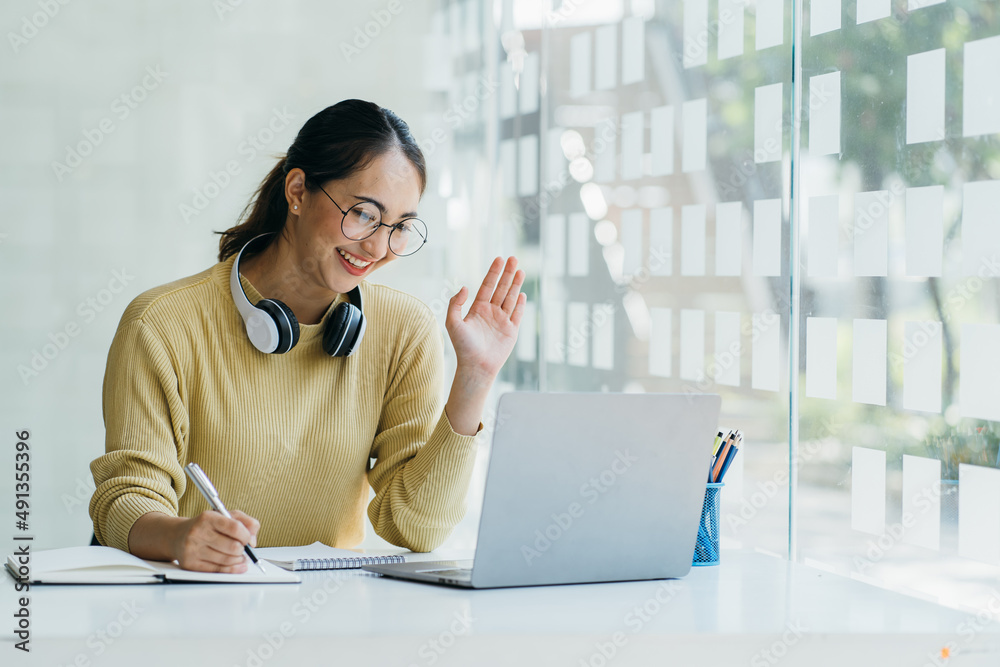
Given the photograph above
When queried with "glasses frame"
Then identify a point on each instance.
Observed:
(392, 228)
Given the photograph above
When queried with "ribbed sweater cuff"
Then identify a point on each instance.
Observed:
(447, 454)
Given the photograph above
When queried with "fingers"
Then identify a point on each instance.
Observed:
(506, 280)
(214, 543)
(252, 525)
(490, 281)
(233, 528)
(454, 314)
(513, 293)
(501, 287)
(518, 313)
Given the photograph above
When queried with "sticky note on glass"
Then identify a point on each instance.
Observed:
(868, 490)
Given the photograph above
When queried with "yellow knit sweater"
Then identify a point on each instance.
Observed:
(286, 438)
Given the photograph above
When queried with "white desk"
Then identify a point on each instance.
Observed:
(723, 615)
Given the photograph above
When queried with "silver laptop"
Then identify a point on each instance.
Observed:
(586, 487)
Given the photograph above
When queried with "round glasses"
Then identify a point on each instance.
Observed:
(365, 218)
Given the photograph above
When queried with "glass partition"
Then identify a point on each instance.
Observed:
(792, 205)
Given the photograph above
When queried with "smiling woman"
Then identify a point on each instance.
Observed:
(282, 372)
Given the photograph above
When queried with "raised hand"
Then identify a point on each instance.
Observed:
(484, 338)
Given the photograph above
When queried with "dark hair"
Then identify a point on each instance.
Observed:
(333, 144)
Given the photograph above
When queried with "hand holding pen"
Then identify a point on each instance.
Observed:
(217, 541)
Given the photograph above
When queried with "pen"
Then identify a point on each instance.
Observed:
(207, 489)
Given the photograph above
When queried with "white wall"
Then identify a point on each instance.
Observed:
(63, 236)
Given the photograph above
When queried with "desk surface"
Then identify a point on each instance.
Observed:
(747, 611)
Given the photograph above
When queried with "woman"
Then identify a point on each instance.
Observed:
(288, 436)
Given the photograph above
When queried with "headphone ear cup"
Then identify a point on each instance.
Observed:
(356, 334)
(288, 325)
(337, 329)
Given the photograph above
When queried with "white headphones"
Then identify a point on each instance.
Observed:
(273, 329)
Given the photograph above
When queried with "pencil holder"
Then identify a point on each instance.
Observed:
(706, 548)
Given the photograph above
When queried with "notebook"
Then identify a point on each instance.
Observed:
(106, 565)
(318, 556)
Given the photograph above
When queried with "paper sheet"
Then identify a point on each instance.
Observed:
(603, 353)
(868, 490)
(692, 345)
(554, 313)
(767, 237)
(765, 364)
(978, 371)
(767, 123)
(922, 502)
(979, 513)
(821, 357)
(527, 335)
(728, 348)
(980, 231)
(694, 125)
(528, 93)
(872, 10)
(661, 140)
(606, 57)
(693, 240)
(578, 331)
(633, 50)
(730, 38)
(871, 233)
(824, 236)
(578, 247)
(660, 342)
(770, 23)
(981, 88)
(924, 230)
(661, 241)
(554, 248)
(824, 16)
(729, 238)
(631, 239)
(580, 60)
(633, 133)
(527, 182)
(824, 114)
(925, 96)
(870, 339)
(922, 355)
(695, 32)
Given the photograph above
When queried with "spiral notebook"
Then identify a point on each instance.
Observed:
(318, 556)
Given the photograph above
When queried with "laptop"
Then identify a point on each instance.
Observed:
(586, 488)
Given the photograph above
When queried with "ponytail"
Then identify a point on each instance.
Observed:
(265, 213)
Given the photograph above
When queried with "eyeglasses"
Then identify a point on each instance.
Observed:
(364, 219)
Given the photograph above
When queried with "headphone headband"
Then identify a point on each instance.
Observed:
(273, 329)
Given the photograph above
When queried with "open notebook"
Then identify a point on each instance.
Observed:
(318, 556)
(106, 565)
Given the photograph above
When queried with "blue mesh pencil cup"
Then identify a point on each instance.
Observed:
(706, 548)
